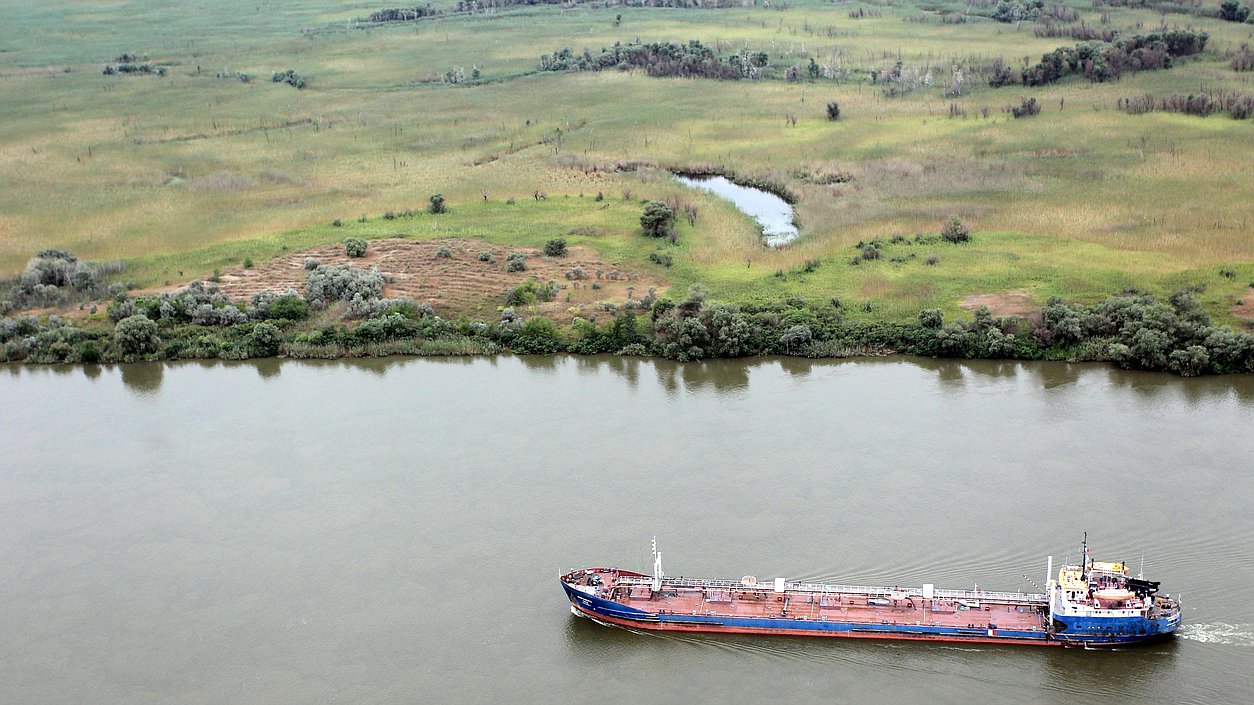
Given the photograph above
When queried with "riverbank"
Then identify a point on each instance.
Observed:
(343, 314)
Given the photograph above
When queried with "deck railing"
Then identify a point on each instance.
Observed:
(835, 589)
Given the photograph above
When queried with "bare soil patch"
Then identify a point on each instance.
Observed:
(460, 283)
(1010, 303)
(1245, 308)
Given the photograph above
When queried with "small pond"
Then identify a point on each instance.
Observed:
(772, 212)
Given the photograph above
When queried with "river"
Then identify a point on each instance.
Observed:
(391, 531)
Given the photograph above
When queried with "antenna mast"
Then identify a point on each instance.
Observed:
(657, 567)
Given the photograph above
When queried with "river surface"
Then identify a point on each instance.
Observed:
(773, 213)
(391, 531)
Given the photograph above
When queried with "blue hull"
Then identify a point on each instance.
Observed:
(1077, 633)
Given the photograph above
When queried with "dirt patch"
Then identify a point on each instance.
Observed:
(1245, 308)
(460, 283)
(1010, 303)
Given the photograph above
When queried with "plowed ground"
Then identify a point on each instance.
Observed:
(461, 284)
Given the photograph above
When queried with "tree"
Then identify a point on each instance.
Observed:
(354, 247)
(731, 333)
(833, 111)
(136, 335)
(658, 219)
(955, 231)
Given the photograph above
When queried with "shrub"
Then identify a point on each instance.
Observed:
(248, 263)
(136, 335)
(444, 253)
(355, 247)
(870, 252)
(265, 339)
(538, 337)
(342, 283)
(486, 256)
(1027, 108)
(955, 231)
(287, 306)
(833, 111)
(1000, 74)
(932, 260)
(555, 247)
(1233, 11)
(521, 294)
(932, 318)
(577, 274)
(289, 77)
(663, 259)
(658, 219)
(796, 337)
(312, 263)
(516, 262)
(362, 307)
(436, 204)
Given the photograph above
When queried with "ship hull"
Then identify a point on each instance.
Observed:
(613, 613)
(799, 629)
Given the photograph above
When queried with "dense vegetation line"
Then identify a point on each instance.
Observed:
(1132, 329)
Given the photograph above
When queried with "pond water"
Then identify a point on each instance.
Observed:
(773, 213)
(391, 530)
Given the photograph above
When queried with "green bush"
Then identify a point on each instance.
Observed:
(932, 318)
(355, 247)
(955, 231)
(658, 219)
(136, 335)
(516, 262)
(265, 339)
(291, 308)
(538, 336)
(555, 247)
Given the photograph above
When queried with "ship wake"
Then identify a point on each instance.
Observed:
(1219, 633)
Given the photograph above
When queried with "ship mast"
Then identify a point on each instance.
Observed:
(657, 567)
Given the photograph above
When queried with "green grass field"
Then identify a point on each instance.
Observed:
(188, 172)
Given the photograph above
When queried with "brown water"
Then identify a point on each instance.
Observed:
(390, 531)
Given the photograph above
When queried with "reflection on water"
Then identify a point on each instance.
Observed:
(722, 375)
(269, 367)
(142, 378)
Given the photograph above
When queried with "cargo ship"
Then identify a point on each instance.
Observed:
(1091, 604)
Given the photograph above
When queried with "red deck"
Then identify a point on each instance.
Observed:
(764, 602)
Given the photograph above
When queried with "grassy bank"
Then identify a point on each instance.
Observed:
(186, 173)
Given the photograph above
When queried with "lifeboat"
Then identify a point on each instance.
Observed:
(1108, 596)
